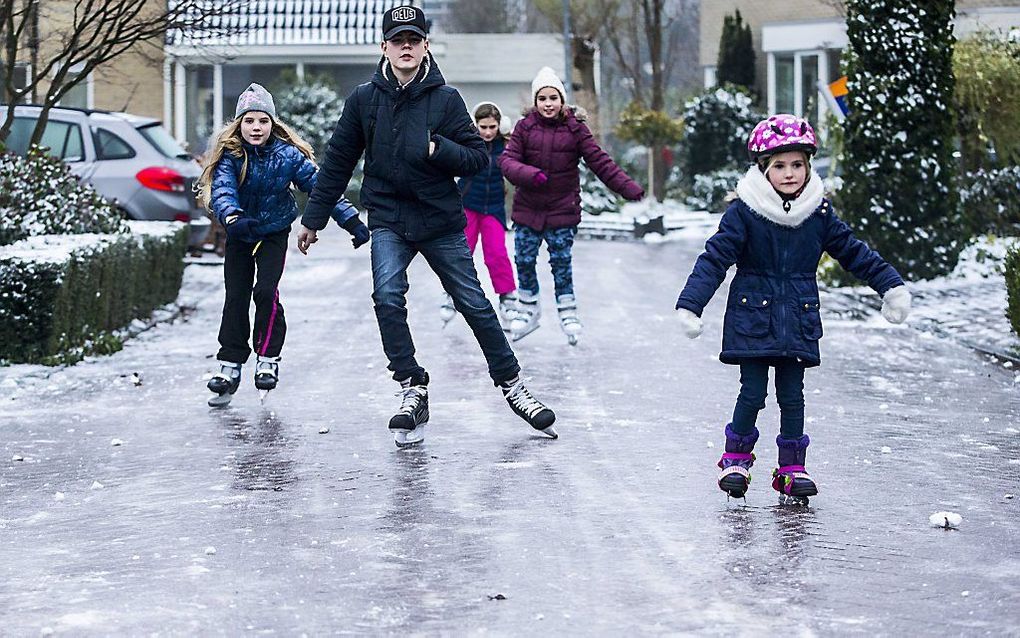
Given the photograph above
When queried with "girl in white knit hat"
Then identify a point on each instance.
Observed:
(541, 160)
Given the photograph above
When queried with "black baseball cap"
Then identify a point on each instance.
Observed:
(406, 18)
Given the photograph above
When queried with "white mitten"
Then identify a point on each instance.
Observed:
(690, 322)
(896, 304)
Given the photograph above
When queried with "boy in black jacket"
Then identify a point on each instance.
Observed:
(417, 136)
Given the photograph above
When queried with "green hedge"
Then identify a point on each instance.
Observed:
(64, 296)
(1012, 273)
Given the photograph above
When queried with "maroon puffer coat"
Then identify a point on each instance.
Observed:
(554, 147)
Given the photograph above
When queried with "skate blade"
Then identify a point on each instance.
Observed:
(789, 499)
(262, 396)
(220, 400)
(550, 432)
(408, 438)
(572, 340)
(517, 336)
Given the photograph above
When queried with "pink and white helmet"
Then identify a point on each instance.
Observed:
(781, 133)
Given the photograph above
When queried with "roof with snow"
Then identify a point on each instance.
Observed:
(287, 22)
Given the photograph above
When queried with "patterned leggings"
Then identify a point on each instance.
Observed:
(560, 243)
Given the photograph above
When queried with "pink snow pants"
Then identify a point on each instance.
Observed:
(493, 248)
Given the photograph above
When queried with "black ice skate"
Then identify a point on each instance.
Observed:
(224, 383)
(528, 407)
(408, 424)
(267, 374)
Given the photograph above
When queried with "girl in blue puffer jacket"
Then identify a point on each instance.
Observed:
(775, 233)
(246, 183)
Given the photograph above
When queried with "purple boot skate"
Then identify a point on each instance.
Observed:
(790, 479)
(736, 462)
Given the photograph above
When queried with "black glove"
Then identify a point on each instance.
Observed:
(242, 229)
(359, 231)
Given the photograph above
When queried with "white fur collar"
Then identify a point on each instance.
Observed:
(756, 191)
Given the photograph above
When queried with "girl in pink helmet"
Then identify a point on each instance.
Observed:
(775, 233)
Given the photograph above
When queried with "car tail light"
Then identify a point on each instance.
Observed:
(160, 178)
(182, 217)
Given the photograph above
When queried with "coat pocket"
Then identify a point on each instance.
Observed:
(810, 318)
(753, 314)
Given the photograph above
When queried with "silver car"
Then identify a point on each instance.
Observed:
(130, 160)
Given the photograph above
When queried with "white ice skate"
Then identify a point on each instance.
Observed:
(528, 313)
(267, 374)
(566, 306)
(507, 310)
(447, 311)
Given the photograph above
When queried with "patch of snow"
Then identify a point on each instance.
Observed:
(945, 520)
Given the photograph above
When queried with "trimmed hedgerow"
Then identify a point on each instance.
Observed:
(63, 296)
(1011, 268)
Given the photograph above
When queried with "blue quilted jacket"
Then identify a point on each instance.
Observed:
(266, 192)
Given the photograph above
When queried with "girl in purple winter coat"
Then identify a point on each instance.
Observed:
(541, 160)
(775, 233)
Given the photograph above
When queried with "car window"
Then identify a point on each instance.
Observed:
(21, 132)
(109, 146)
(163, 141)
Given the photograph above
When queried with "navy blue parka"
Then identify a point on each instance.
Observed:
(773, 305)
(484, 192)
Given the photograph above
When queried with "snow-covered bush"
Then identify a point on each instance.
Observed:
(1012, 274)
(64, 295)
(710, 192)
(312, 110)
(900, 192)
(716, 127)
(596, 198)
(990, 200)
(38, 196)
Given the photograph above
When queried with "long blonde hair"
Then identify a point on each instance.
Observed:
(229, 140)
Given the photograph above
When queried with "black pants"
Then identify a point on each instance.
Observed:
(241, 262)
(754, 380)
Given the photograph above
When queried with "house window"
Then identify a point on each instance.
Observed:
(784, 84)
(80, 94)
(21, 80)
(795, 82)
(199, 106)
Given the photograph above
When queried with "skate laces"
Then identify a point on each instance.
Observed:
(411, 398)
(521, 398)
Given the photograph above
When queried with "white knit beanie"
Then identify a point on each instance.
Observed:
(547, 77)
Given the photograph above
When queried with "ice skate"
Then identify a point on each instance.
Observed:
(528, 407)
(790, 479)
(507, 310)
(566, 307)
(408, 424)
(528, 313)
(224, 383)
(735, 464)
(447, 311)
(267, 373)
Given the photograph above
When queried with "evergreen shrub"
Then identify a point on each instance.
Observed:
(63, 296)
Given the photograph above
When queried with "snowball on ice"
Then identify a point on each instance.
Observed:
(116, 443)
(945, 520)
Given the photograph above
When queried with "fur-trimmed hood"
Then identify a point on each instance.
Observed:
(756, 191)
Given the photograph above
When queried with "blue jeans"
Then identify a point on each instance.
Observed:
(450, 259)
(560, 242)
(754, 381)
